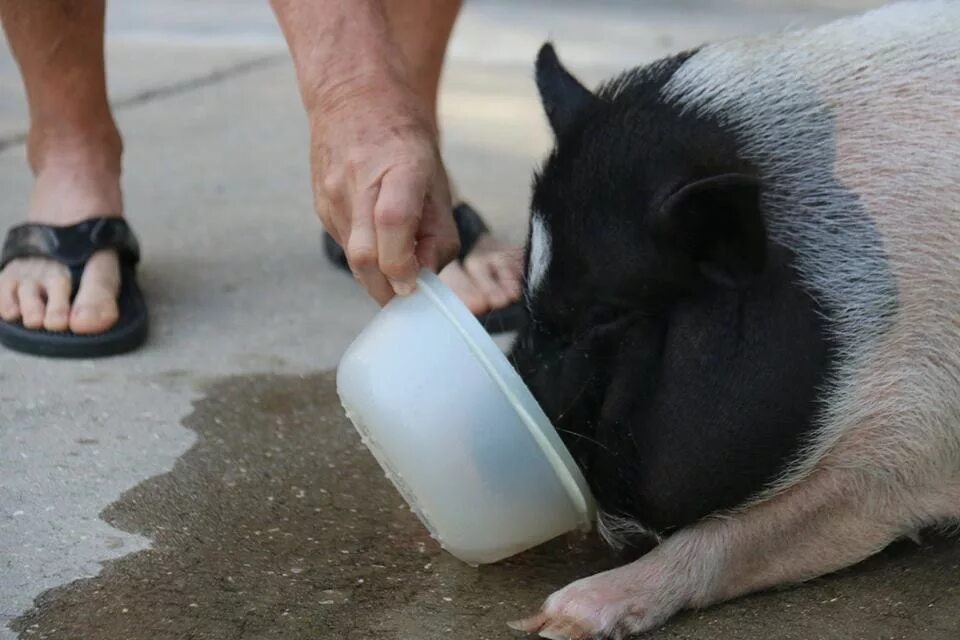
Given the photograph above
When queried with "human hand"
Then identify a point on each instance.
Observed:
(380, 187)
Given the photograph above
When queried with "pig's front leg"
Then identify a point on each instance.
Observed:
(827, 522)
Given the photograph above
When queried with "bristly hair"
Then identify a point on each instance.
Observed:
(621, 532)
(642, 84)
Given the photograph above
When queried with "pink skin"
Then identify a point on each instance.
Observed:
(379, 158)
(490, 276)
(828, 521)
(368, 75)
(74, 151)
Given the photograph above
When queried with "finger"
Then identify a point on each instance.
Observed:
(438, 242)
(362, 249)
(335, 233)
(330, 192)
(398, 214)
(372, 280)
(378, 288)
(332, 220)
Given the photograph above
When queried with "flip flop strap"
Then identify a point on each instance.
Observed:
(72, 245)
(470, 226)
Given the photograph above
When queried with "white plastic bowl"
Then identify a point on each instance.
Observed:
(457, 431)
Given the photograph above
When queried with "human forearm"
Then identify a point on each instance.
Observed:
(340, 48)
(379, 183)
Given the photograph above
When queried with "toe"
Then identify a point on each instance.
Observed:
(564, 631)
(32, 307)
(457, 279)
(532, 624)
(57, 317)
(95, 307)
(509, 273)
(96, 312)
(481, 272)
(9, 309)
(551, 627)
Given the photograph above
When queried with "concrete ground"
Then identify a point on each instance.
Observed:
(208, 486)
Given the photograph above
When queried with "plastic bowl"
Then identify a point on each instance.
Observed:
(457, 431)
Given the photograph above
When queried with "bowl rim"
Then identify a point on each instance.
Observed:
(495, 363)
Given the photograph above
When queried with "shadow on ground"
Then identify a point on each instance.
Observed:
(279, 524)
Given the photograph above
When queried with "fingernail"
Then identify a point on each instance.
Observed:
(402, 288)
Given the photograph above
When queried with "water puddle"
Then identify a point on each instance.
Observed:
(279, 524)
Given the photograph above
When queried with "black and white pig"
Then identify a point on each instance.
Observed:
(743, 276)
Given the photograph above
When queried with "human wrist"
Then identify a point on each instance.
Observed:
(341, 90)
(371, 98)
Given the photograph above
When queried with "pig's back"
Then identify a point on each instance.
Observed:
(855, 127)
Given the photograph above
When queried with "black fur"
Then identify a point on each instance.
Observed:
(563, 95)
(670, 343)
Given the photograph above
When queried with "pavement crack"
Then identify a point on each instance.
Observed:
(177, 88)
(199, 82)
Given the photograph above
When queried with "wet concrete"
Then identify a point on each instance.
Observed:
(279, 524)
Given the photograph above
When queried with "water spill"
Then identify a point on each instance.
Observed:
(279, 524)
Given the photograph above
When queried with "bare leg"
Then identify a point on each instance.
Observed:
(828, 522)
(490, 275)
(74, 151)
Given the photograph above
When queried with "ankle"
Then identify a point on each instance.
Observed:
(56, 146)
(76, 176)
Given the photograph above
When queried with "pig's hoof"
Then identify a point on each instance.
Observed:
(602, 607)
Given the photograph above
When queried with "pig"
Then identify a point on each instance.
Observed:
(743, 282)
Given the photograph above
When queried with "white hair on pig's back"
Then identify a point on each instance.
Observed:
(855, 128)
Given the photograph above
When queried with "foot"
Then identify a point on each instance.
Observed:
(489, 277)
(78, 182)
(612, 605)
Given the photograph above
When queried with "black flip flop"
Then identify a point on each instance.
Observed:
(72, 246)
(470, 226)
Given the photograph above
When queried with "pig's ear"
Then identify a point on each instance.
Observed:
(563, 97)
(717, 222)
